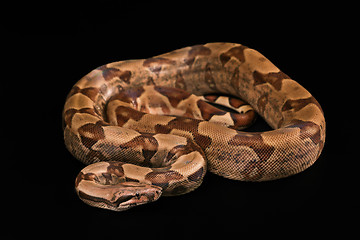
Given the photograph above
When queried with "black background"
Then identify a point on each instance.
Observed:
(49, 47)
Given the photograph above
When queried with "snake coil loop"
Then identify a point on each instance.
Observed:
(144, 135)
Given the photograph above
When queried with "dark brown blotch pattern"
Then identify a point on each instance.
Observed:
(90, 92)
(91, 133)
(197, 50)
(256, 143)
(298, 104)
(110, 73)
(161, 178)
(124, 114)
(236, 103)
(196, 176)
(145, 143)
(273, 78)
(69, 114)
(175, 96)
(236, 52)
(208, 111)
(307, 130)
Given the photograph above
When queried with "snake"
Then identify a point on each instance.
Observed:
(146, 127)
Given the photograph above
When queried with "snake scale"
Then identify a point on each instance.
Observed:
(145, 133)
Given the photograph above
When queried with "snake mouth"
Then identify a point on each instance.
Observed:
(137, 196)
(119, 197)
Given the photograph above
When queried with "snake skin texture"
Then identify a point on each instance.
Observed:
(145, 133)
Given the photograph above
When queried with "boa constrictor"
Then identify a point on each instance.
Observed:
(144, 137)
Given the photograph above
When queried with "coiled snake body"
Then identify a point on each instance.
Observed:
(144, 136)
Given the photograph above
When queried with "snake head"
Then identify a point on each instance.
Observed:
(117, 197)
